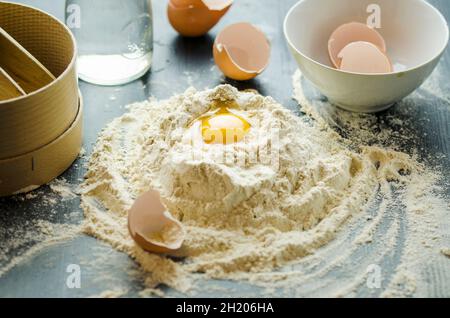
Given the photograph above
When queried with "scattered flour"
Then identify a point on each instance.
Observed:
(25, 235)
(446, 252)
(115, 293)
(250, 219)
(61, 187)
(39, 235)
(422, 195)
(27, 189)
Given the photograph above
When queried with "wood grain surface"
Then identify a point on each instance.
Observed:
(45, 113)
(8, 87)
(179, 63)
(23, 67)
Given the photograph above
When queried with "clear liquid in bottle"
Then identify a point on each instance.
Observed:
(115, 39)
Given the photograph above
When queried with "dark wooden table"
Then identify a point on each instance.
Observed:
(182, 63)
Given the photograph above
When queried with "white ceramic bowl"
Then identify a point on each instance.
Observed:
(416, 35)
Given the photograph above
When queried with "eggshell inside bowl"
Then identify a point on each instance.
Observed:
(364, 57)
(349, 33)
(241, 51)
(416, 36)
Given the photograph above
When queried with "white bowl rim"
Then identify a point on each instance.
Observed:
(441, 51)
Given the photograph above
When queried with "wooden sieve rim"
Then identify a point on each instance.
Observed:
(69, 66)
(23, 177)
(67, 131)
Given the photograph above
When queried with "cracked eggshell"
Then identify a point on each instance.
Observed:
(148, 218)
(241, 51)
(352, 32)
(211, 4)
(193, 18)
(364, 58)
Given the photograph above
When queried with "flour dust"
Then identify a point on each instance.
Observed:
(342, 205)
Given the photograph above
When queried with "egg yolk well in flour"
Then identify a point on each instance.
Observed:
(222, 126)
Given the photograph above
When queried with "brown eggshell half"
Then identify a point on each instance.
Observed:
(149, 215)
(241, 51)
(186, 3)
(364, 57)
(352, 32)
(211, 4)
(197, 18)
(218, 4)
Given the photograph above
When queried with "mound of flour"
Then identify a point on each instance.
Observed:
(244, 214)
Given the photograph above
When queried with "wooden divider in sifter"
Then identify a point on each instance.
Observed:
(40, 104)
(9, 89)
(21, 65)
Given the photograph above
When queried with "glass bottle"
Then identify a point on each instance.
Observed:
(114, 37)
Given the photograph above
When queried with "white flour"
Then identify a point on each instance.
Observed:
(245, 217)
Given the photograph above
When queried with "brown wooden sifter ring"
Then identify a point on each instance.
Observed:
(29, 171)
(40, 121)
(34, 120)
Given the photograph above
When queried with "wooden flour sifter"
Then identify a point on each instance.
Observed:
(40, 104)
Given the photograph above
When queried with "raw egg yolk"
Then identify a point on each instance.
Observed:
(223, 127)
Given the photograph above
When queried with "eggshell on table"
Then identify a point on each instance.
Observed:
(241, 51)
(193, 18)
(211, 4)
(352, 32)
